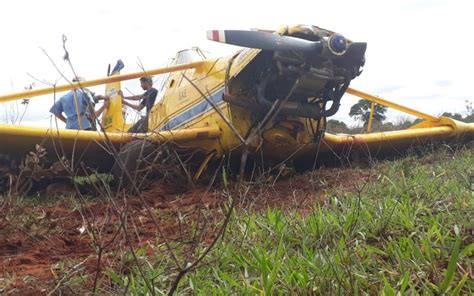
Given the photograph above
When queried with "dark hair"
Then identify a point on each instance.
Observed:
(148, 79)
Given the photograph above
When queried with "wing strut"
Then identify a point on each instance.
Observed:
(393, 105)
(110, 79)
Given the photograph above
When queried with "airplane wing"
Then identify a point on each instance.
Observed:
(383, 143)
(432, 129)
(336, 148)
(17, 141)
(93, 146)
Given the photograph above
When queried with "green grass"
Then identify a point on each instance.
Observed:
(407, 232)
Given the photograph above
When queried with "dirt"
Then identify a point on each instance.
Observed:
(43, 247)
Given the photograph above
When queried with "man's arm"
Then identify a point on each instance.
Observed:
(101, 97)
(103, 107)
(136, 107)
(60, 117)
(131, 98)
(57, 110)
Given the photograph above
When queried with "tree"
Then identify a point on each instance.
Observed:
(469, 118)
(336, 126)
(469, 112)
(361, 111)
(455, 116)
(469, 108)
(418, 120)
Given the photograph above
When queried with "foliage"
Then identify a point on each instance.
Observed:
(336, 126)
(93, 178)
(455, 116)
(361, 111)
(469, 112)
(405, 233)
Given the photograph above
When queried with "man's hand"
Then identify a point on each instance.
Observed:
(101, 97)
(120, 93)
(61, 117)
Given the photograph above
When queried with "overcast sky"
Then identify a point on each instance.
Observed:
(419, 52)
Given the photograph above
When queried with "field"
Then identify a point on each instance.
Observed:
(394, 227)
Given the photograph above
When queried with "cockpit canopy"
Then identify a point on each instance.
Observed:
(190, 55)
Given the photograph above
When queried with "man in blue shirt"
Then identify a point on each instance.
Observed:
(75, 105)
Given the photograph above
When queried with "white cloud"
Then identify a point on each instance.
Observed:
(412, 45)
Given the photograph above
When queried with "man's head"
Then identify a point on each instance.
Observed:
(146, 82)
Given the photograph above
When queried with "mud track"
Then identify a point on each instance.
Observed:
(42, 247)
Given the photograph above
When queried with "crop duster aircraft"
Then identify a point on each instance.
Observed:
(271, 98)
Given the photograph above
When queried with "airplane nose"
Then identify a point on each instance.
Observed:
(337, 44)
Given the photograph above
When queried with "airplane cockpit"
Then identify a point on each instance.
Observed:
(189, 55)
(185, 56)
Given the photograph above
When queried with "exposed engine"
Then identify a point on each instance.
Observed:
(302, 77)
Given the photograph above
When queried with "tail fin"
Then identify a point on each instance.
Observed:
(112, 119)
(118, 67)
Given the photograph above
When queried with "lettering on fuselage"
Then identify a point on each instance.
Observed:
(182, 94)
(112, 92)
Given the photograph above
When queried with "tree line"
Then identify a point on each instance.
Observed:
(361, 112)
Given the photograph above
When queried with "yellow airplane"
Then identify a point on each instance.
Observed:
(271, 98)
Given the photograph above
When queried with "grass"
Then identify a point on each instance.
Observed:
(407, 232)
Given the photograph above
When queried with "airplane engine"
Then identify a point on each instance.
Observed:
(306, 76)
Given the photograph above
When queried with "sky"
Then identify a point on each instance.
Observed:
(419, 52)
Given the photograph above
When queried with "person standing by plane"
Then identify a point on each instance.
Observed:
(76, 106)
(147, 101)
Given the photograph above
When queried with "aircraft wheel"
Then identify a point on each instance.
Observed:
(138, 158)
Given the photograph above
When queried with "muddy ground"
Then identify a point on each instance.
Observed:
(45, 245)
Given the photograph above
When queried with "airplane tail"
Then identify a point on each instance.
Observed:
(112, 119)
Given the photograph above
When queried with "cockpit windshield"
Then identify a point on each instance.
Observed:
(188, 56)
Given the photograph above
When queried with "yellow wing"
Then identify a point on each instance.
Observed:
(432, 129)
(374, 144)
(93, 146)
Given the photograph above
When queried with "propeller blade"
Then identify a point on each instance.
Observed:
(356, 51)
(263, 40)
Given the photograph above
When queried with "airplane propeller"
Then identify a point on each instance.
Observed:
(269, 41)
